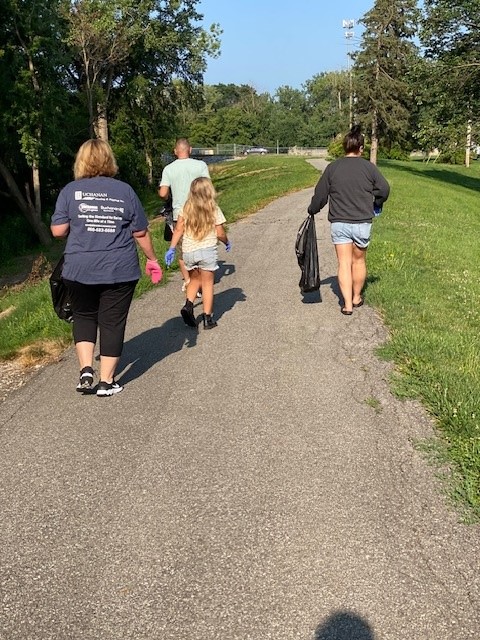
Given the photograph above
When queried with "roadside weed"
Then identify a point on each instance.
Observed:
(374, 403)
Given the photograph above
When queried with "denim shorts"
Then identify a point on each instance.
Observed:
(205, 259)
(347, 232)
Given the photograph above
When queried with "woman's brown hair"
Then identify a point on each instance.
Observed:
(354, 140)
(95, 158)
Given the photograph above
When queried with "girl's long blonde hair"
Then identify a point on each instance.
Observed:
(199, 211)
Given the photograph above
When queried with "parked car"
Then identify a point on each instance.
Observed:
(261, 150)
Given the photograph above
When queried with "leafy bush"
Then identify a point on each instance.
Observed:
(394, 153)
(335, 148)
(452, 156)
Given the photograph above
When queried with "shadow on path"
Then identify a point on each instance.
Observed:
(316, 296)
(144, 351)
(226, 300)
(150, 347)
(344, 625)
(224, 269)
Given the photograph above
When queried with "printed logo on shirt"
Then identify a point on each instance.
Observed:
(87, 195)
(111, 209)
(84, 208)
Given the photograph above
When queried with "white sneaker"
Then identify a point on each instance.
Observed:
(85, 384)
(108, 388)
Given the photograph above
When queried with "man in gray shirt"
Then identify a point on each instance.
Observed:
(176, 179)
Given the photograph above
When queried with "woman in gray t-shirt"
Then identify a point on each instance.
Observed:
(102, 219)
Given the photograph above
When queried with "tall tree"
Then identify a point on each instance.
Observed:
(288, 117)
(381, 70)
(31, 99)
(328, 99)
(451, 39)
(116, 40)
(231, 114)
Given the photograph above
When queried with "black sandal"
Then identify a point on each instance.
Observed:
(345, 312)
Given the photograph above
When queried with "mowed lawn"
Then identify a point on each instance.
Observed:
(424, 278)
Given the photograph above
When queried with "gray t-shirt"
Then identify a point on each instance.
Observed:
(102, 213)
(178, 176)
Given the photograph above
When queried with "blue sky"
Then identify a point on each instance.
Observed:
(272, 43)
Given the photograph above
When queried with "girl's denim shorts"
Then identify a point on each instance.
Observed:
(205, 259)
(346, 232)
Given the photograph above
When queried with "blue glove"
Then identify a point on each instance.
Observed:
(228, 245)
(377, 210)
(170, 256)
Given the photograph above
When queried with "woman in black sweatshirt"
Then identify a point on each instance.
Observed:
(355, 191)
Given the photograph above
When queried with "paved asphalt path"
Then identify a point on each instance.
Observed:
(254, 482)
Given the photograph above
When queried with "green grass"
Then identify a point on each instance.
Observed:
(32, 321)
(246, 185)
(424, 277)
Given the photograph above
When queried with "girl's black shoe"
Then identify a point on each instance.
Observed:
(188, 315)
(208, 321)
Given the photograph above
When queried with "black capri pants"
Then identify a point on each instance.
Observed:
(103, 308)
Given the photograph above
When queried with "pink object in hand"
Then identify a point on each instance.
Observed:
(154, 270)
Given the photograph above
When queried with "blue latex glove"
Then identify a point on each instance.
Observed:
(170, 256)
(377, 210)
(228, 245)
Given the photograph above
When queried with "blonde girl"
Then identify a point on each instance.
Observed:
(200, 223)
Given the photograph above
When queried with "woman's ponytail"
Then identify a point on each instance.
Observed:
(354, 140)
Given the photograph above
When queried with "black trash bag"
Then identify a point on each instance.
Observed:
(307, 256)
(167, 212)
(60, 299)
(167, 232)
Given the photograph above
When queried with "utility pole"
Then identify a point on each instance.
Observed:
(349, 35)
(469, 144)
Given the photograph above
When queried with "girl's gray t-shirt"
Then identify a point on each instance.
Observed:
(103, 213)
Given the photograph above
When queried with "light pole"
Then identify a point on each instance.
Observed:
(349, 35)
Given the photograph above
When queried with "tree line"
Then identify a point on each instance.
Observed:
(131, 72)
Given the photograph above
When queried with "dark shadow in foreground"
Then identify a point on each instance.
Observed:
(344, 625)
(144, 351)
